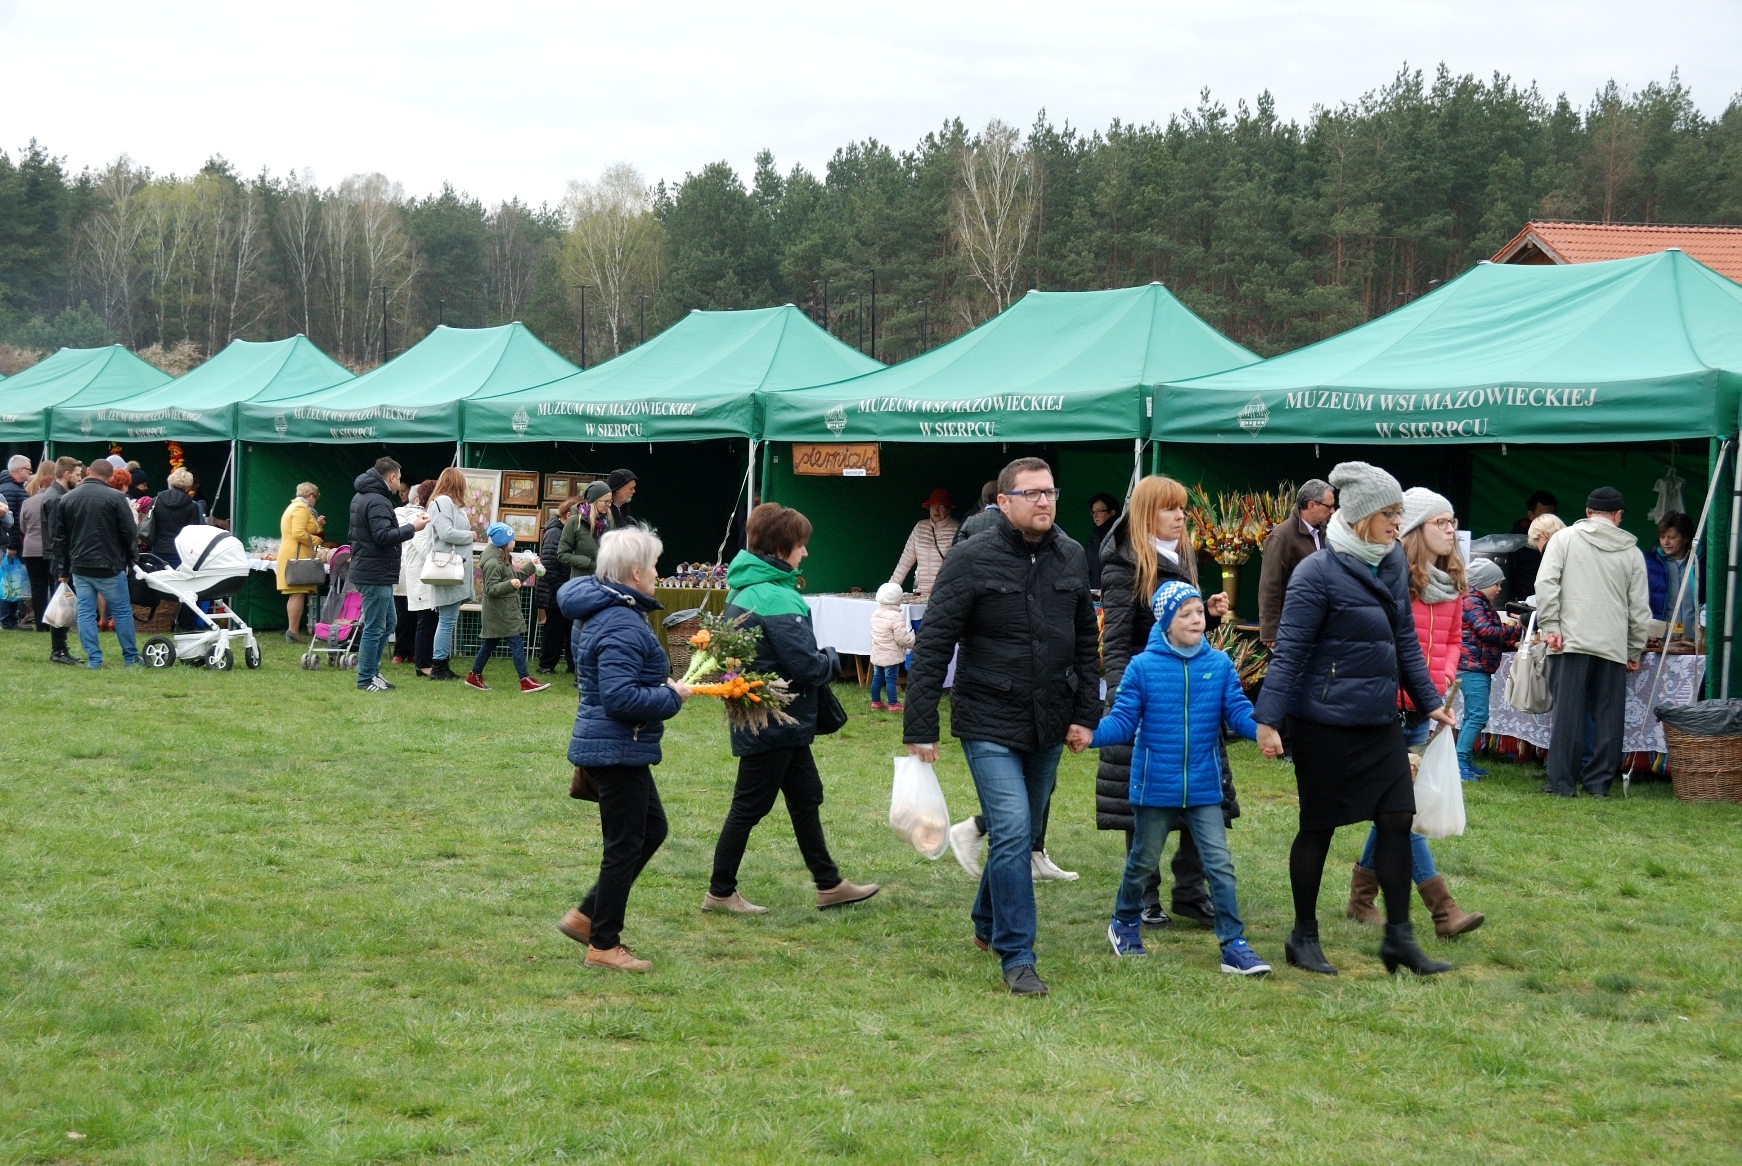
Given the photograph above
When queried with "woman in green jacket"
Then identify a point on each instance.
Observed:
(580, 542)
(503, 582)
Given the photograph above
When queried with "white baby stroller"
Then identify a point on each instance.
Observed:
(214, 566)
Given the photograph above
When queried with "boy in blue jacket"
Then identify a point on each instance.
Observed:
(1172, 703)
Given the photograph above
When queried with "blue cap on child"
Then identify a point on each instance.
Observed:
(1168, 598)
(499, 533)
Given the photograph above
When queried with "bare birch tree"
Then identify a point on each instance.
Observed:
(338, 225)
(384, 252)
(612, 241)
(113, 236)
(994, 207)
(299, 234)
(512, 260)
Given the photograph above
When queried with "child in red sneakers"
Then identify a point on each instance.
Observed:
(891, 637)
(501, 603)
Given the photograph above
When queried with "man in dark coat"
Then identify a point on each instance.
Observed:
(1016, 599)
(622, 486)
(1284, 548)
(13, 495)
(95, 540)
(376, 538)
(986, 518)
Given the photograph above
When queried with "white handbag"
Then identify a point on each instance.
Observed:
(1527, 686)
(448, 567)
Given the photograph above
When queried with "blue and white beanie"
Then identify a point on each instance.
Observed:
(1168, 598)
(499, 533)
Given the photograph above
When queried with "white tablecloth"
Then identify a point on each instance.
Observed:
(1681, 685)
(843, 622)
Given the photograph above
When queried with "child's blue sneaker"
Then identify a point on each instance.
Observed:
(1240, 960)
(1478, 772)
(1127, 938)
(1466, 773)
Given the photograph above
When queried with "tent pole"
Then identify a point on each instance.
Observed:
(1136, 468)
(1730, 584)
(750, 495)
(460, 454)
(236, 489)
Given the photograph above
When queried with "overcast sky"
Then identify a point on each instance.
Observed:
(511, 99)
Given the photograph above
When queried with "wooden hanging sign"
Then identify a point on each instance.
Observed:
(836, 459)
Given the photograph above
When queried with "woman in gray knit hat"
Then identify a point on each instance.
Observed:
(1345, 644)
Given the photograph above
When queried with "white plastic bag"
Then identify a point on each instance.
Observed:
(1439, 791)
(1527, 686)
(916, 807)
(63, 608)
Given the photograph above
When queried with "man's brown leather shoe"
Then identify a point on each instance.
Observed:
(618, 957)
(576, 926)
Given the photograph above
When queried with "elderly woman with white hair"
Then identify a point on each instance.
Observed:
(627, 695)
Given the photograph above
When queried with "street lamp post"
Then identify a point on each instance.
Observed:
(824, 284)
(443, 322)
(643, 297)
(583, 289)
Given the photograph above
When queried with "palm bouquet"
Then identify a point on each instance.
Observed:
(724, 648)
(1249, 657)
(1231, 525)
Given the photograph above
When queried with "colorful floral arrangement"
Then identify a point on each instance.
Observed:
(1250, 659)
(176, 460)
(725, 647)
(1230, 526)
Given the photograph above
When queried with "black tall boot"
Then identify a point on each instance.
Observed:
(1399, 950)
(1303, 951)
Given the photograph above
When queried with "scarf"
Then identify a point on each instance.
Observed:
(1185, 653)
(1439, 587)
(1168, 547)
(1343, 538)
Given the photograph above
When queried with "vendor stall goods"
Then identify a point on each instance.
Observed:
(752, 700)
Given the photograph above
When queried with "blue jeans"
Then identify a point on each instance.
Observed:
(1152, 826)
(379, 618)
(516, 648)
(883, 678)
(1476, 686)
(1014, 789)
(113, 589)
(446, 618)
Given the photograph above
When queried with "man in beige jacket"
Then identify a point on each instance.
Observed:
(1593, 606)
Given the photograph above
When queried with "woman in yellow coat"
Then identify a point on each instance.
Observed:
(299, 533)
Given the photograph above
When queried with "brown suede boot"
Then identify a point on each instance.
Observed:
(619, 958)
(576, 926)
(843, 893)
(1449, 918)
(1363, 890)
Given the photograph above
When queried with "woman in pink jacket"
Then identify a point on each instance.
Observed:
(1436, 590)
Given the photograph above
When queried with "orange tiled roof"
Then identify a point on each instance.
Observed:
(1719, 248)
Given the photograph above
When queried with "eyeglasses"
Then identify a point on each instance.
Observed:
(1033, 497)
(1444, 523)
(1099, 511)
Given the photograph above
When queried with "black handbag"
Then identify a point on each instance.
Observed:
(582, 787)
(830, 715)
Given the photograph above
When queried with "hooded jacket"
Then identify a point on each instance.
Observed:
(1592, 591)
(1028, 668)
(1345, 644)
(1170, 709)
(766, 588)
(621, 671)
(170, 511)
(375, 533)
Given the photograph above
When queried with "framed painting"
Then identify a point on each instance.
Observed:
(483, 498)
(547, 513)
(524, 524)
(520, 488)
(557, 487)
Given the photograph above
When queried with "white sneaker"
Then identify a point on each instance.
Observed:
(969, 844)
(1044, 869)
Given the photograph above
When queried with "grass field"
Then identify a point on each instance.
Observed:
(258, 916)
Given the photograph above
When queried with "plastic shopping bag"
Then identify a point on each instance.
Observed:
(916, 807)
(1439, 790)
(14, 580)
(63, 608)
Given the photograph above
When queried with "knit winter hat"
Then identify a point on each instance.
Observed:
(1168, 598)
(1483, 573)
(595, 491)
(1605, 500)
(1419, 505)
(889, 594)
(499, 533)
(1363, 489)
(617, 479)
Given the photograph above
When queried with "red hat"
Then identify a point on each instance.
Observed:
(939, 497)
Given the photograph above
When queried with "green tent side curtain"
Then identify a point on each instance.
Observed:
(413, 397)
(1642, 349)
(1054, 366)
(100, 374)
(201, 405)
(697, 380)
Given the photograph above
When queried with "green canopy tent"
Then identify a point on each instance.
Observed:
(1065, 375)
(111, 374)
(198, 410)
(1605, 371)
(690, 393)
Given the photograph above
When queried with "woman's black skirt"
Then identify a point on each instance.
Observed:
(1349, 773)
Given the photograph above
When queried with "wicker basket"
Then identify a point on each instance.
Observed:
(679, 627)
(1704, 769)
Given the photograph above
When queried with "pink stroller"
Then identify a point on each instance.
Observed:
(341, 619)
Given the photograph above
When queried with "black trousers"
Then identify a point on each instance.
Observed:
(1586, 684)
(1189, 885)
(555, 644)
(405, 630)
(633, 823)
(424, 651)
(761, 778)
(42, 586)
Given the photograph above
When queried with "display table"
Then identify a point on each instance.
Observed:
(843, 622)
(1643, 734)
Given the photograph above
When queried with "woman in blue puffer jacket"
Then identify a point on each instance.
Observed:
(627, 695)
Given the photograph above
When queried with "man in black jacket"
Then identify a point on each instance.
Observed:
(1016, 598)
(376, 538)
(95, 540)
